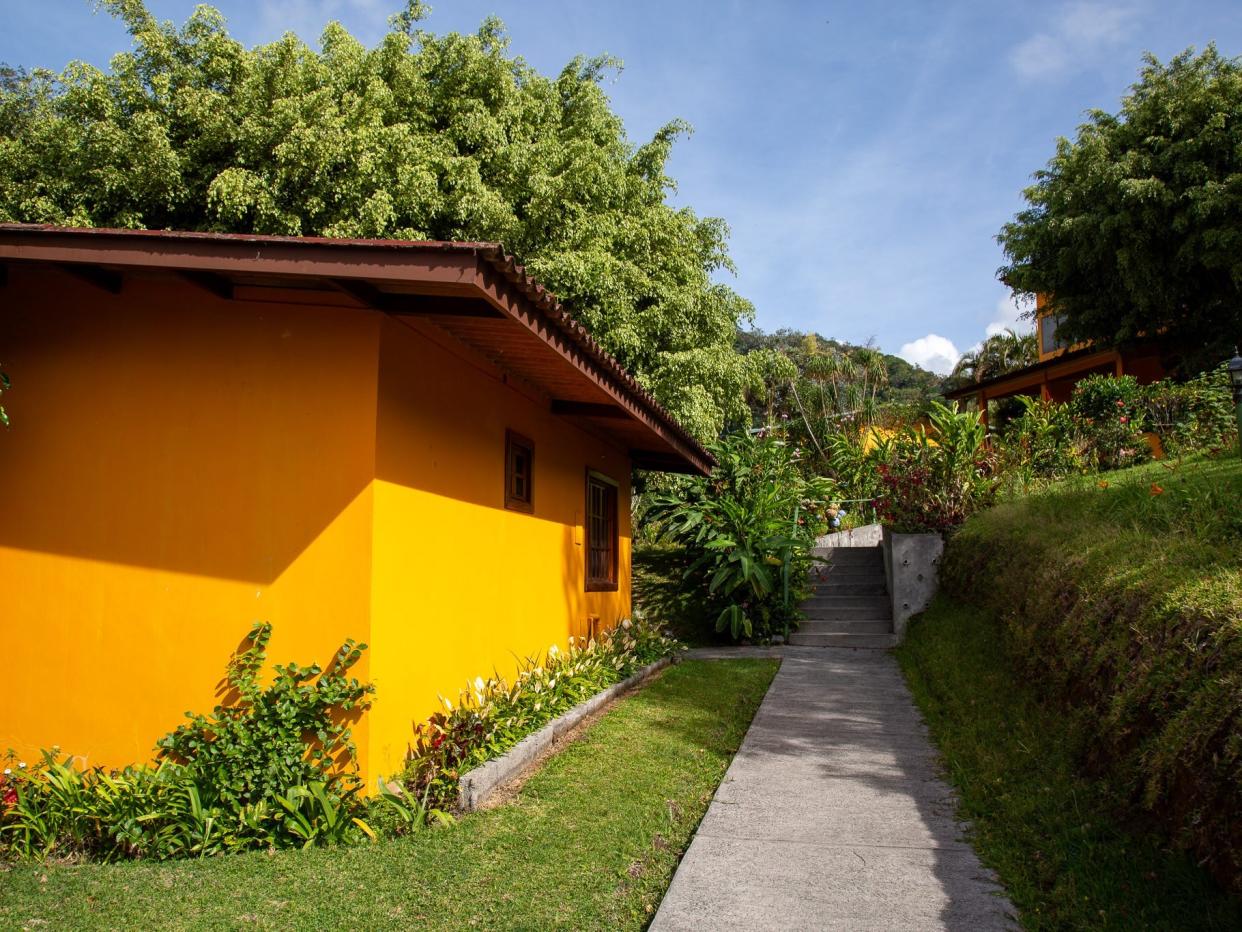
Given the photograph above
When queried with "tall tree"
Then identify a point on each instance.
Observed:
(421, 137)
(1135, 227)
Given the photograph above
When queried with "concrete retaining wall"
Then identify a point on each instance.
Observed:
(476, 786)
(912, 568)
(869, 535)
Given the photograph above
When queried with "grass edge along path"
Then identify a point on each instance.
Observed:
(590, 842)
(1051, 833)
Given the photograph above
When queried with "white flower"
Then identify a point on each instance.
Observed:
(625, 623)
(553, 650)
(7, 771)
(21, 766)
(448, 706)
(478, 684)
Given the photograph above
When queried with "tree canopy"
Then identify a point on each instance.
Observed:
(1135, 227)
(422, 137)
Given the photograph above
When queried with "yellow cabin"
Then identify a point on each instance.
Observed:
(409, 444)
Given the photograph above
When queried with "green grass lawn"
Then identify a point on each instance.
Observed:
(1052, 833)
(591, 842)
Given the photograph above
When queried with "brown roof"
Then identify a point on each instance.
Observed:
(1019, 379)
(474, 291)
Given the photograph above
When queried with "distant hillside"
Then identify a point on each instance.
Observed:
(906, 382)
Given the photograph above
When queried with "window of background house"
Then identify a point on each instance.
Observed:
(601, 533)
(519, 472)
(1048, 333)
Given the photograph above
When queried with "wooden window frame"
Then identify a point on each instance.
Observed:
(601, 584)
(516, 502)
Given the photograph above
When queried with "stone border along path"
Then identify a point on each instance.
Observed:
(832, 815)
(477, 786)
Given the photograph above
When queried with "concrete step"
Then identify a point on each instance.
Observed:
(861, 588)
(834, 577)
(870, 641)
(839, 626)
(848, 569)
(827, 601)
(843, 555)
(848, 613)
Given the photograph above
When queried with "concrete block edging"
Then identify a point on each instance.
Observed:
(476, 786)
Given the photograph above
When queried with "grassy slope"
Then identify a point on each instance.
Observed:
(591, 842)
(1099, 641)
(1052, 834)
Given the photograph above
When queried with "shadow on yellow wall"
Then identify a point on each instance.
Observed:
(181, 466)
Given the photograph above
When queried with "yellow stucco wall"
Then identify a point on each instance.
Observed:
(461, 585)
(180, 467)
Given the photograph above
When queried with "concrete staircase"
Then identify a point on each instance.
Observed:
(850, 606)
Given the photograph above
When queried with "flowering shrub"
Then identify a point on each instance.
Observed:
(491, 716)
(749, 529)
(1111, 416)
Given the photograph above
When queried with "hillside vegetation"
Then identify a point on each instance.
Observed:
(1119, 602)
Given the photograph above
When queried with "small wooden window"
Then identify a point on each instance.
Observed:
(601, 534)
(519, 472)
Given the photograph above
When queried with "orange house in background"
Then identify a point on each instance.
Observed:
(1061, 366)
(409, 444)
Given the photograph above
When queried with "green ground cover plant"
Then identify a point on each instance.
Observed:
(1119, 599)
(1050, 830)
(491, 716)
(591, 841)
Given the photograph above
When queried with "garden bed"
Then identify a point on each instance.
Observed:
(578, 847)
(477, 786)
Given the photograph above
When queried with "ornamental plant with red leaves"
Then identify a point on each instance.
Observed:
(931, 481)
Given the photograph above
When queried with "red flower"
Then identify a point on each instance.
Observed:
(1156, 489)
(10, 798)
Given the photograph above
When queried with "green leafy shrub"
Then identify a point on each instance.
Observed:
(749, 529)
(1121, 600)
(293, 731)
(932, 481)
(1196, 415)
(1043, 443)
(491, 716)
(272, 767)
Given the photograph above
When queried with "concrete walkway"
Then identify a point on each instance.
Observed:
(832, 815)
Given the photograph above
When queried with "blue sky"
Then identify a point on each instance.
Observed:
(864, 154)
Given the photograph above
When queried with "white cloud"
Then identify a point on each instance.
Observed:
(932, 352)
(1076, 34)
(1008, 316)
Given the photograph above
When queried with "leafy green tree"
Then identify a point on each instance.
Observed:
(1135, 227)
(421, 137)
